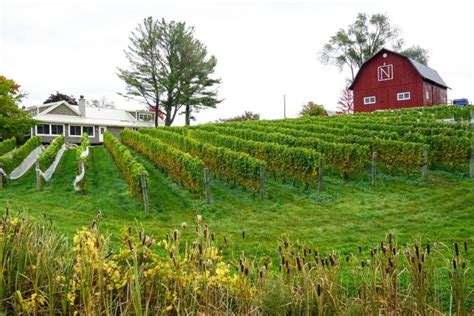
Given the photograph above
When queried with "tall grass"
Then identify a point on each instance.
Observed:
(43, 273)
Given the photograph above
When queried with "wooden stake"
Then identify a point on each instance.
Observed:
(374, 167)
(262, 182)
(38, 177)
(145, 193)
(320, 174)
(424, 169)
(471, 163)
(207, 191)
(1, 181)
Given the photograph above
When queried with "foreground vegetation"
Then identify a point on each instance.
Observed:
(43, 273)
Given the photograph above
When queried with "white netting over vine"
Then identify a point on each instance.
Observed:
(81, 175)
(50, 171)
(26, 164)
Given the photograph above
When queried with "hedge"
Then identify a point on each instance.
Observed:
(181, 167)
(48, 156)
(10, 163)
(223, 162)
(7, 145)
(298, 164)
(130, 168)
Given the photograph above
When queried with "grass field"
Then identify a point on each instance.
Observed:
(348, 214)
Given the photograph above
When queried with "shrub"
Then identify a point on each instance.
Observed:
(10, 163)
(7, 145)
(181, 167)
(130, 168)
(48, 156)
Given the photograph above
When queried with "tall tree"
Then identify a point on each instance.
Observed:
(247, 116)
(362, 39)
(13, 121)
(169, 70)
(346, 102)
(313, 109)
(61, 97)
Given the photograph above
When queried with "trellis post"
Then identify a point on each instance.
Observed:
(374, 167)
(471, 162)
(1, 180)
(207, 191)
(38, 177)
(145, 192)
(320, 174)
(262, 181)
(424, 169)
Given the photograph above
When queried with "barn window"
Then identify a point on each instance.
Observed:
(369, 100)
(403, 96)
(427, 95)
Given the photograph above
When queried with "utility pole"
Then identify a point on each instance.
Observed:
(284, 106)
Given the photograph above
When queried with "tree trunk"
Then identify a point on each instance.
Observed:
(156, 115)
(188, 115)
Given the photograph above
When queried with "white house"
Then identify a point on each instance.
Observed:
(62, 118)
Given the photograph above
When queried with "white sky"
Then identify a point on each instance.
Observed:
(264, 48)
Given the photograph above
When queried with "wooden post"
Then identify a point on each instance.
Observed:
(145, 193)
(262, 182)
(471, 162)
(320, 174)
(425, 163)
(207, 191)
(38, 177)
(374, 167)
(1, 180)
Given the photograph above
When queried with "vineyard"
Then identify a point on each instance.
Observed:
(408, 142)
(293, 205)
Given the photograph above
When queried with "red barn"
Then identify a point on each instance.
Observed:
(389, 80)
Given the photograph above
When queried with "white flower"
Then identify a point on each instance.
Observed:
(198, 218)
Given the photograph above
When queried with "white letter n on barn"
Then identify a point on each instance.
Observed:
(385, 72)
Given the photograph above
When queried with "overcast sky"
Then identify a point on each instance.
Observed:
(265, 49)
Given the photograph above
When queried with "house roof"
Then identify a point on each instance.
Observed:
(94, 116)
(425, 72)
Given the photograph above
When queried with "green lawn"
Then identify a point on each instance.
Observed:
(346, 215)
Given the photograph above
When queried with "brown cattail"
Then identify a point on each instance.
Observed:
(261, 274)
(171, 255)
(286, 244)
(419, 267)
(130, 244)
(417, 251)
(213, 237)
(279, 248)
(175, 234)
(200, 249)
(360, 249)
(454, 264)
(348, 258)
(246, 271)
(304, 252)
(465, 246)
(243, 234)
(298, 262)
(381, 245)
(362, 264)
(428, 248)
(282, 260)
(319, 289)
(456, 249)
(394, 251)
(225, 240)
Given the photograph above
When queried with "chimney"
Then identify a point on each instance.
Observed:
(82, 106)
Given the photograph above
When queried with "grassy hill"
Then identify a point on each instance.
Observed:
(346, 215)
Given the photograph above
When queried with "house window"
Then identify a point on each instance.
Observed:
(89, 130)
(75, 130)
(369, 100)
(402, 96)
(145, 117)
(57, 129)
(42, 129)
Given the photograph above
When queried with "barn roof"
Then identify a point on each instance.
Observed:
(424, 71)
